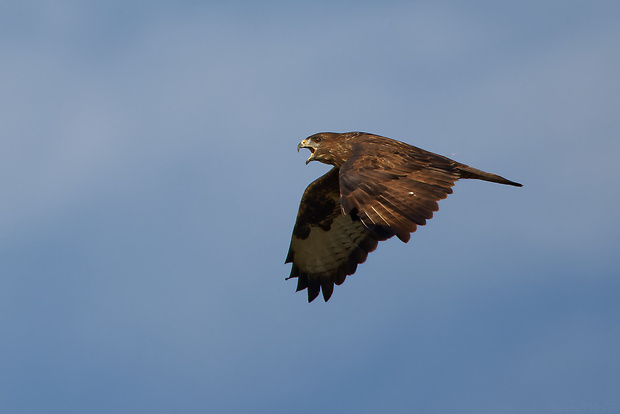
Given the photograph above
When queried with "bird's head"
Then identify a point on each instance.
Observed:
(326, 147)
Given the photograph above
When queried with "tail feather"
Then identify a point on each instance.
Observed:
(469, 172)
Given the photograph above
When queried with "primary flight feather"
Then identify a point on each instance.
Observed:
(378, 188)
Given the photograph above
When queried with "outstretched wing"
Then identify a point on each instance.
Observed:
(394, 185)
(327, 245)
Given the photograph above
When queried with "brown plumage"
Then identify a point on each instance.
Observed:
(378, 188)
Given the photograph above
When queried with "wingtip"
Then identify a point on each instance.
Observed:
(312, 294)
(508, 182)
(503, 180)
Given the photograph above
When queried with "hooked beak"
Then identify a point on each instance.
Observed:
(304, 144)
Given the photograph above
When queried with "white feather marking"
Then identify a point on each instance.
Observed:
(370, 218)
(375, 210)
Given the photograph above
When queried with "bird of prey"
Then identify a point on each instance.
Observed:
(378, 188)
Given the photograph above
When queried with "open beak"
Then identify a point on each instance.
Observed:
(304, 144)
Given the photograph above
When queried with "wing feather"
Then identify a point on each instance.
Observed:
(394, 185)
(327, 245)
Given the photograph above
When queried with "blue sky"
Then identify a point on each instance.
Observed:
(150, 184)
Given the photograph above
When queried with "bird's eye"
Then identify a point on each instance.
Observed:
(317, 139)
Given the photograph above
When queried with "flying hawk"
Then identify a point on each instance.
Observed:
(378, 188)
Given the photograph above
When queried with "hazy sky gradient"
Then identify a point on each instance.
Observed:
(150, 184)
